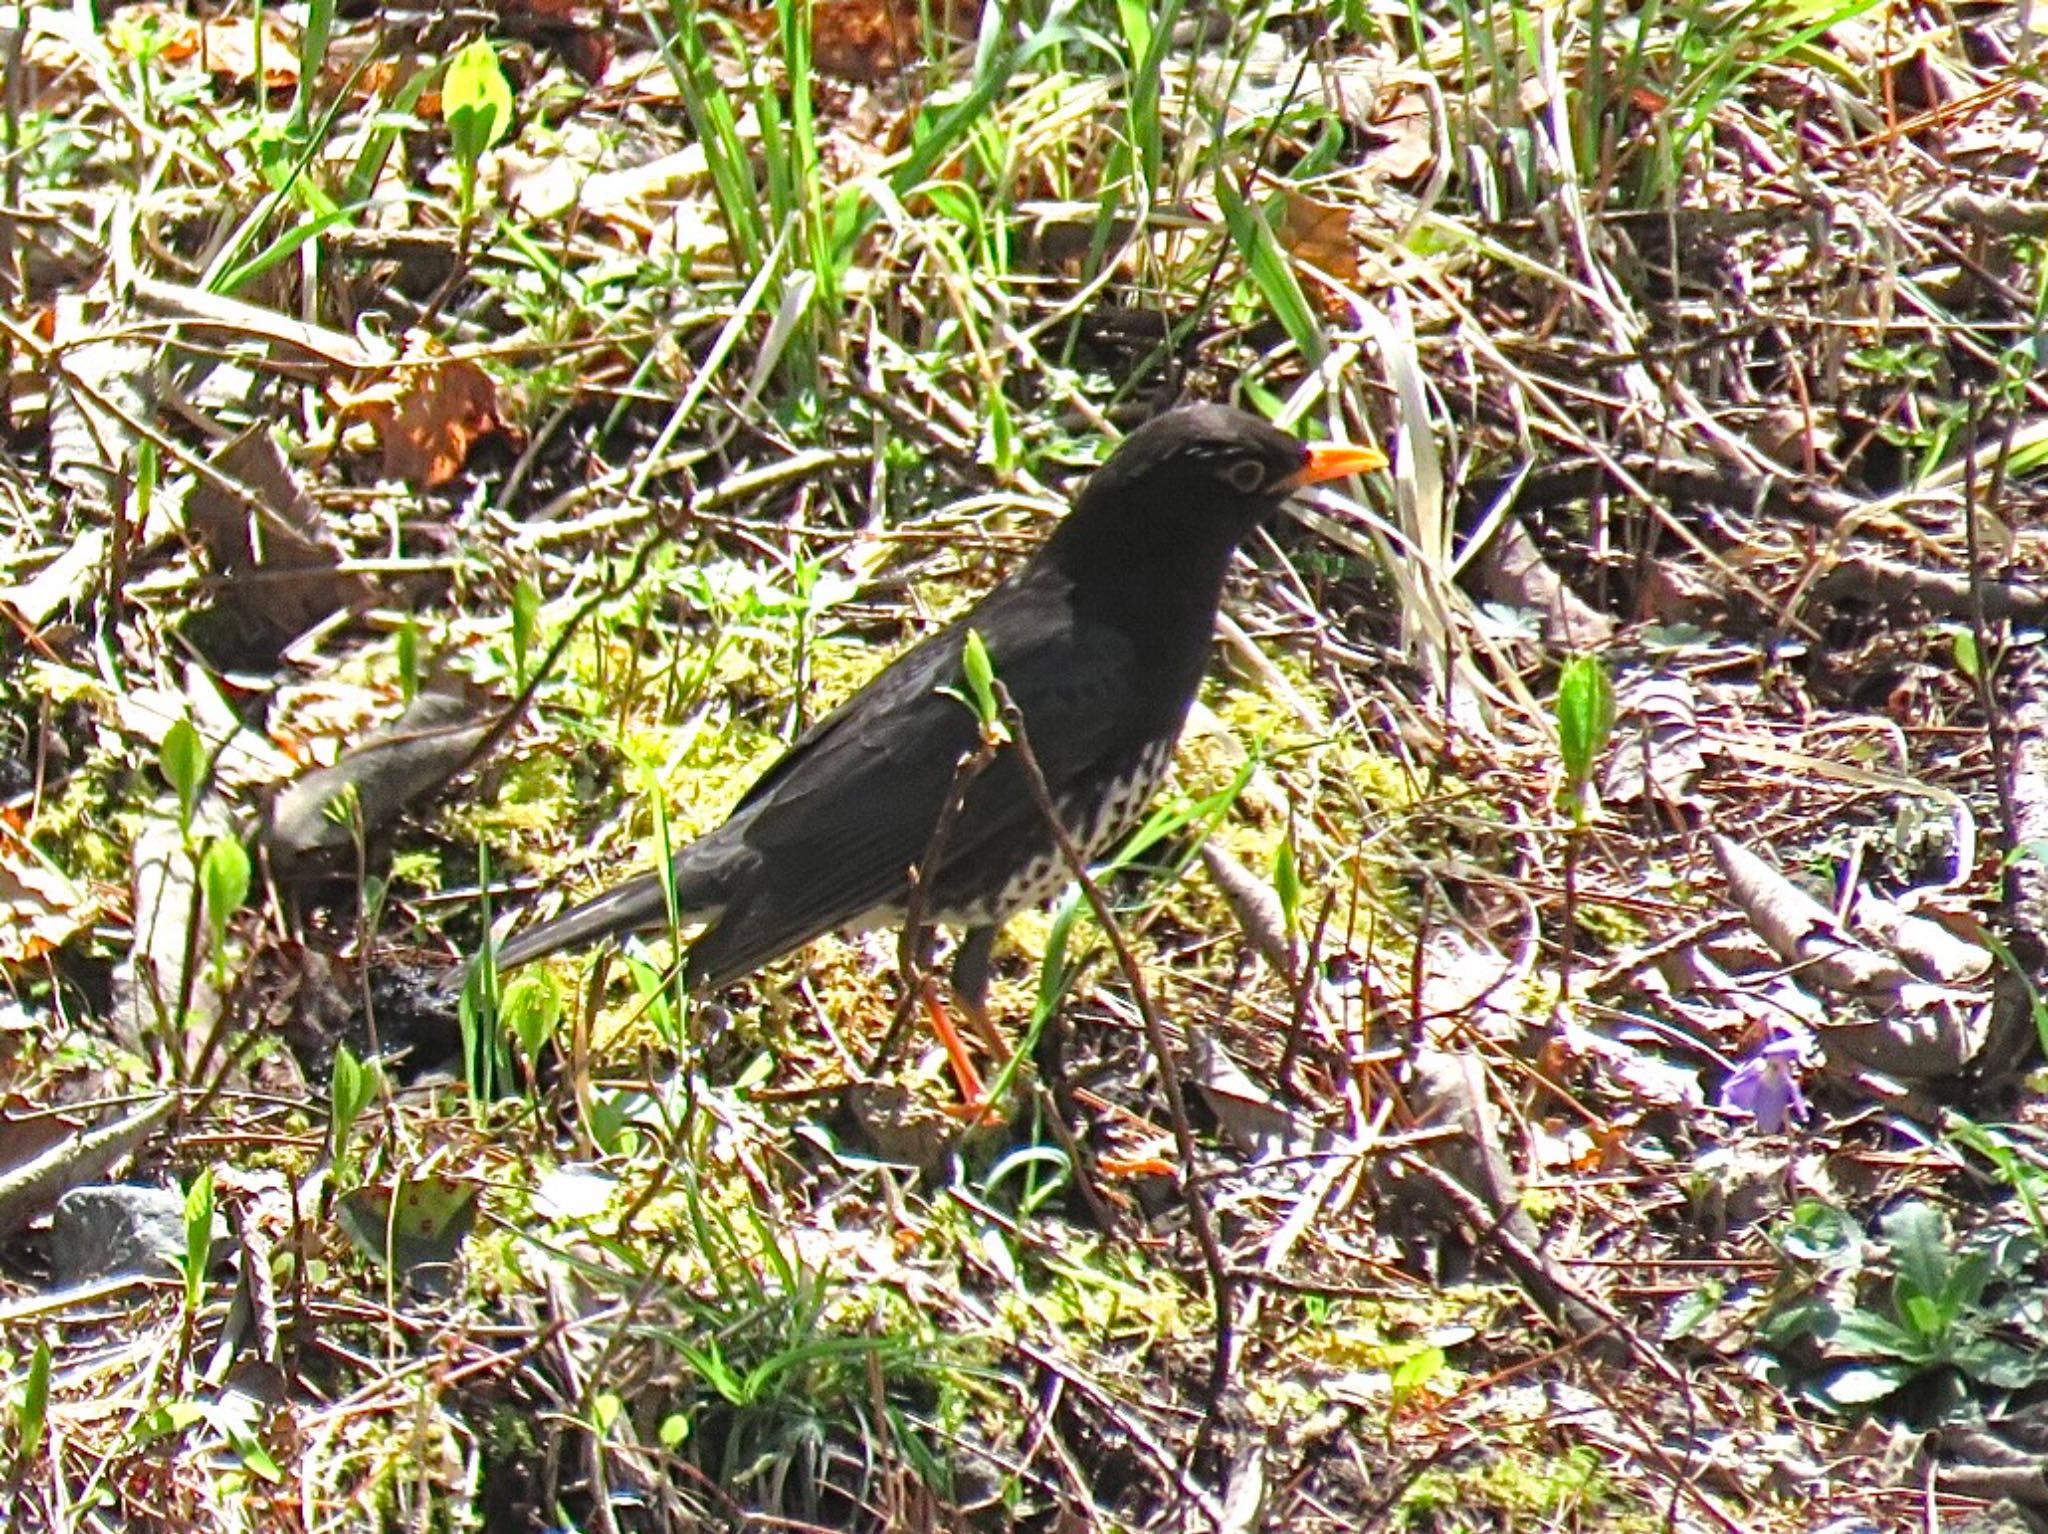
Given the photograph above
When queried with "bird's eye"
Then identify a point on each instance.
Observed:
(1245, 475)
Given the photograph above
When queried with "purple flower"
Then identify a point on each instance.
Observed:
(1766, 1085)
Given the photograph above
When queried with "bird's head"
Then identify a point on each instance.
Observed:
(1206, 467)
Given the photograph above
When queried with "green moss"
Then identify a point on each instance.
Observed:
(1524, 1482)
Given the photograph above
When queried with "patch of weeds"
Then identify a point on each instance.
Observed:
(532, 792)
(773, 1377)
(1610, 926)
(76, 828)
(1953, 1319)
(55, 150)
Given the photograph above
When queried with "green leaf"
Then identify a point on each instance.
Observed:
(1918, 1237)
(1999, 1364)
(198, 1235)
(33, 1414)
(1413, 1372)
(1861, 1384)
(1287, 885)
(416, 1227)
(224, 876)
(1271, 272)
(525, 624)
(1923, 1315)
(1585, 716)
(1794, 1322)
(183, 759)
(1968, 660)
(1693, 1309)
(344, 807)
(1819, 1232)
(409, 659)
(1864, 1334)
(349, 1088)
(224, 873)
(980, 671)
(476, 101)
(530, 1010)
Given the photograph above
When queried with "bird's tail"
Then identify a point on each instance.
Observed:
(638, 905)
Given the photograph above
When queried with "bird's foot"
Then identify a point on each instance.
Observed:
(974, 1102)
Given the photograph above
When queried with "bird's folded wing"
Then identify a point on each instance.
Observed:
(834, 828)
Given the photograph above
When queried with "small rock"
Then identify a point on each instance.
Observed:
(114, 1229)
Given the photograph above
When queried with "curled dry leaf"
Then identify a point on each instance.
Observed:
(1800, 930)
(1926, 1032)
(1929, 948)
(1657, 753)
(1934, 1033)
(277, 567)
(428, 412)
(1407, 141)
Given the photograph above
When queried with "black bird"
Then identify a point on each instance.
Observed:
(1100, 638)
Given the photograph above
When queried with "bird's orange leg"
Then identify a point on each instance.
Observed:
(973, 1092)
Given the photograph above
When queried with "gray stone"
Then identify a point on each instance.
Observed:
(114, 1229)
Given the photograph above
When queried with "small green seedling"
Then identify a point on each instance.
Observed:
(349, 1090)
(224, 876)
(183, 760)
(980, 695)
(199, 1207)
(476, 103)
(1585, 720)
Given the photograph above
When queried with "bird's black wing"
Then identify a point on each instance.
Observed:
(830, 833)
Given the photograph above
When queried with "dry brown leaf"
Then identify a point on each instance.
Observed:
(1409, 142)
(1318, 234)
(864, 39)
(227, 47)
(39, 908)
(582, 34)
(867, 40)
(428, 413)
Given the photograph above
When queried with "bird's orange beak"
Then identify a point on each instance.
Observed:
(1335, 460)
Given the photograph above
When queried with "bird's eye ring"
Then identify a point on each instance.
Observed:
(1246, 475)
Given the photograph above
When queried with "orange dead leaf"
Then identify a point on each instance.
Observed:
(868, 40)
(864, 39)
(428, 413)
(1318, 234)
(1135, 1166)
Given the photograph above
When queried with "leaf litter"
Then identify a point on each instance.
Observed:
(1562, 1168)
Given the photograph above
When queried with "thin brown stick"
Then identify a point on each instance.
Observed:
(1155, 1037)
